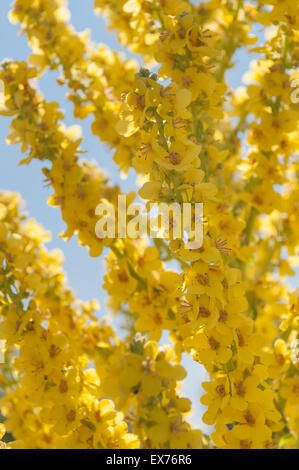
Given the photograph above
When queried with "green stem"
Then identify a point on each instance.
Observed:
(116, 251)
(136, 276)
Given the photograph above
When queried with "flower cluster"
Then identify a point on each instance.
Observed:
(52, 395)
(228, 303)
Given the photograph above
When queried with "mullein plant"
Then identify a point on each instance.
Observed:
(183, 131)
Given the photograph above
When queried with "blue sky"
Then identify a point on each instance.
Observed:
(84, 273)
